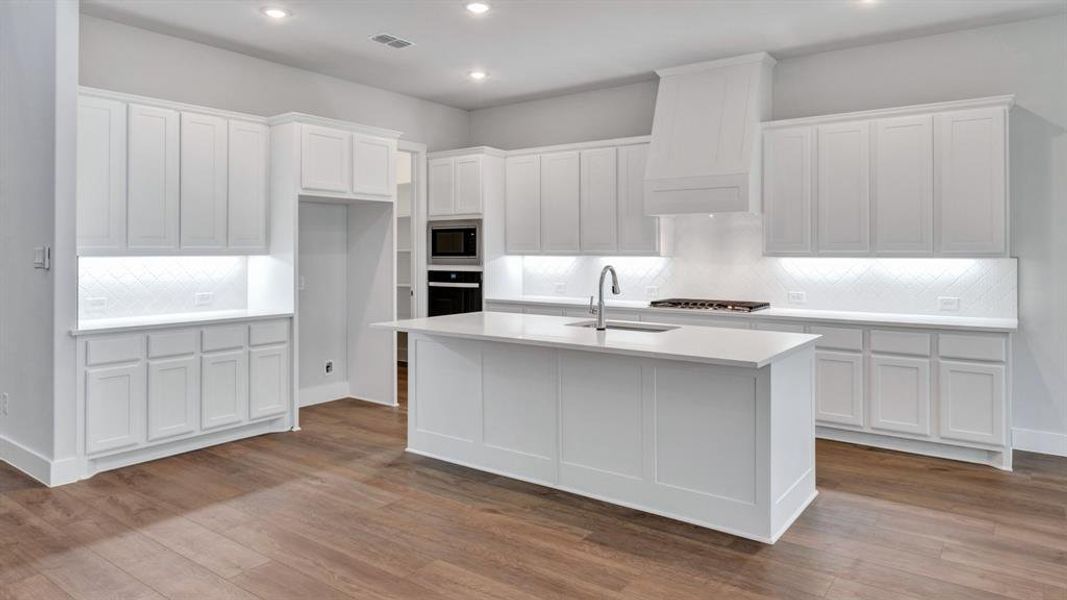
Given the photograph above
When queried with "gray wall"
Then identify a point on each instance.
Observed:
(1028, 59)
(128, 59)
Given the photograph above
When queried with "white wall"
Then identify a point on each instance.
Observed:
(137, 61)
(324, 298)
(38, 74)
(1028, 59)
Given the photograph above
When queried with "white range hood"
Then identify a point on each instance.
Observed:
(704, 156)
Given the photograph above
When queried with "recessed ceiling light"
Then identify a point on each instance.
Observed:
(478, 8)
(276, 13)
(478, 75)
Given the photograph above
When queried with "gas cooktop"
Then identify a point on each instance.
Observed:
(699, 304)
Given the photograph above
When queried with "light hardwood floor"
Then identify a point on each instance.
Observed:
(338, 510)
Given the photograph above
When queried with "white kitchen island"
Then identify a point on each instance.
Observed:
(706, 425)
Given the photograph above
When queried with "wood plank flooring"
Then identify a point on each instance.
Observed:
(338, 510)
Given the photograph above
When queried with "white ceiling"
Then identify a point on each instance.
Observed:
(537, 48)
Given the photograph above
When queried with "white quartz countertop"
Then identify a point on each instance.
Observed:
(115, 325)
(947, 322)
(718, 346)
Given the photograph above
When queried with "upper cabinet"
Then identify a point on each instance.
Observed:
(325, 159)
(915, 181)
(343, 161)
(580, 199)
(459, 181)
(157, 177)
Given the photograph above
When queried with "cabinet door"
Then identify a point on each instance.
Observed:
(439, 172)
(900, 394)
(637, 233)
(522, 200)
(787, 191)
(153, 171)
(839, 388)
(972, 402)
(269, 381)
(325, 159)
(560, 196)
(844, 186)
(467, 171)
(374, 166)
(249, 192)
(203, 181)
(970, 184)
(101, 191)
(224, 391)
(173, 397)
(599, 201)
(903, 186)
(114, 407)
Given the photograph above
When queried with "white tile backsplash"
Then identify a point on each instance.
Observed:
(722, 257)
(114, 287)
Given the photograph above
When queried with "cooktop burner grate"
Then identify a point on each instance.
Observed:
(701, 304)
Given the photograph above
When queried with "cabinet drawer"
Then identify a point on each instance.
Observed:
(171, 344)
(698, 320)
(975, 347)
(114, 350)
(274, 332)
(900, 342)
(779, 326)
(841, 338)
(224, 338)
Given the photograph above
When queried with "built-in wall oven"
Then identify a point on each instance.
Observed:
(455, 242)
(452, 292)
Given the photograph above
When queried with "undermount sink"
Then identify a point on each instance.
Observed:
(626, 325)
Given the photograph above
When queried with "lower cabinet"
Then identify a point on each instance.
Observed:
(839, 388)
(972, 402)
(175, 383)
(900, 394)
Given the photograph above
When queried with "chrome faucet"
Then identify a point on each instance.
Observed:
(599, 309)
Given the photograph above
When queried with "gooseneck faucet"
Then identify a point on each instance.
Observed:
(601, 325)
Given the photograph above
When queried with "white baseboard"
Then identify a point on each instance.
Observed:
(326, 392)
(26, 460)
(1042, 442)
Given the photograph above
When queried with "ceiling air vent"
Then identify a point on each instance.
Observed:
(390, 40)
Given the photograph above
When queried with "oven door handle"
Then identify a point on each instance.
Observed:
(454, 285)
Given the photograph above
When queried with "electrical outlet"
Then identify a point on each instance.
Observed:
(652, 292)
(203, 298)
(4, 401)
(948, 303)
(561, 288)
(798, 298)
(95, 305)
(329, 367)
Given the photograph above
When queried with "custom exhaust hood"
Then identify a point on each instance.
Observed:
(705, 151)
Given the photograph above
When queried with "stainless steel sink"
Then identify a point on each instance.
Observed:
(626, 326)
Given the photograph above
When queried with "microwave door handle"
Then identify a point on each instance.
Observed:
(453, 285)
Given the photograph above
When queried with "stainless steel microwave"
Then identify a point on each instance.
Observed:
(455, 242)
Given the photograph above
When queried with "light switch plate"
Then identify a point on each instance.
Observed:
(203, 298)
(798, 298)
(948, 303)
(560, 288)
(652, 292)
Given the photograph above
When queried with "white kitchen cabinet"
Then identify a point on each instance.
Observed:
(441, 189)
(224, 395)
(971, 190)
(152, 202)
(173, 397)
(373, 166)
(599, 201)
(268, 381)
(114, 407)
(203, 181)
(787, 191)
(903, 186)
(560, 196)
(456, 185)
(101, 187)
(248, 195)
(637, 233)
(843, 184)
(325, 159)
(839, 397)
(972, 402)
(900, 394)
(522, 211)
(536, 309)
